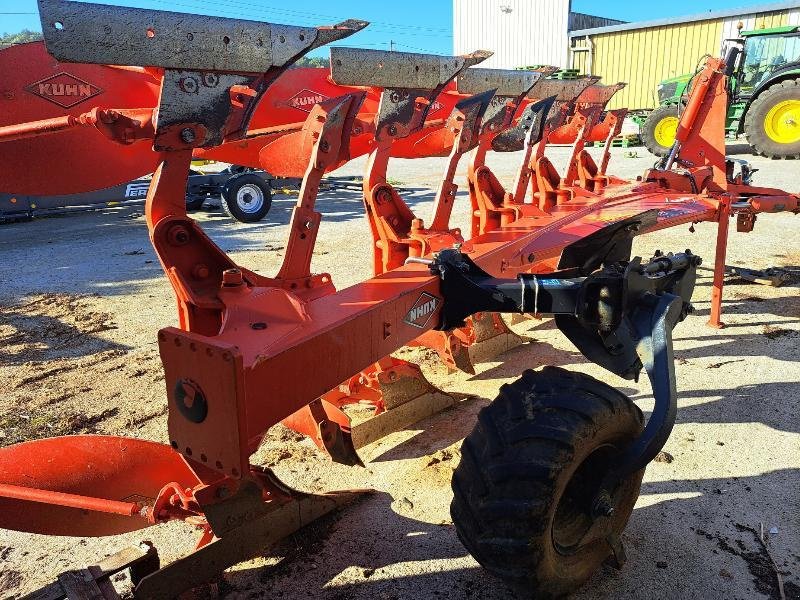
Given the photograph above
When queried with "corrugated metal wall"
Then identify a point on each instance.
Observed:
(583, 21)
(519, 32)
(643, 57)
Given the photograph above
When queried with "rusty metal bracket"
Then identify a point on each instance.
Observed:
(528, 130)
(510, 88)
(410, 83)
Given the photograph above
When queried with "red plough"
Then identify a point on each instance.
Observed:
(238, 363)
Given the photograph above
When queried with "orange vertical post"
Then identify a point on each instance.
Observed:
(714, 319)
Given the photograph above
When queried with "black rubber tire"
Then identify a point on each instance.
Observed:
(754, 120)
(236, 169)
(232, 188)
(194, 202)
(649, 128)
(514, 473)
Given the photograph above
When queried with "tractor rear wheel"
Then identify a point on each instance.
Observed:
(528, 476)
(658, 131)
(772, 123)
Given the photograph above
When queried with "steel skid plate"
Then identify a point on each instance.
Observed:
(505, 82)
(599, 94)
(565, 90)
(115, 35)
(380, 68)
(406, 78)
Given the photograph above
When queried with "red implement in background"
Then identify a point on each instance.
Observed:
(35, 86)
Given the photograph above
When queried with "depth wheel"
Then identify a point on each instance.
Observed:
(247, 197)
(529, 473)
(772, 123)
(659, 129)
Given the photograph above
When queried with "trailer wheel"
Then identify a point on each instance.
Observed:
(247, 197)
(529, 472)
(658, 130)
(772, 123)
(193, 202)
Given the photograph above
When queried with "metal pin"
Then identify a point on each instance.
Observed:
(422, 261)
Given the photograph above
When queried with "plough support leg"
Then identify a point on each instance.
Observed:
(723, 226)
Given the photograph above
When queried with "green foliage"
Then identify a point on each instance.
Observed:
(20, 37)
(312, 61)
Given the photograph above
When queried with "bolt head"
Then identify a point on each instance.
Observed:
(188, 135)
(178, 235)
(200, 271)
(189, 85)
(232, 277)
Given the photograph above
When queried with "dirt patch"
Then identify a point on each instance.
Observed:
(773, 332)
(61, 373)
(51, 326)
(758, 561)
(9, 580)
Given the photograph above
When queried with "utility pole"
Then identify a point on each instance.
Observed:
(391, 45)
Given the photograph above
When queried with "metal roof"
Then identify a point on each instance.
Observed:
(707, 16)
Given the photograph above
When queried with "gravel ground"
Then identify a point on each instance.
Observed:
(83, 296)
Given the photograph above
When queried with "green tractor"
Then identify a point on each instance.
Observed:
(764, 97)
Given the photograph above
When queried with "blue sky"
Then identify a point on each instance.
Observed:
(412, 25)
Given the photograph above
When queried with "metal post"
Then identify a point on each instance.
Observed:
(714, 319)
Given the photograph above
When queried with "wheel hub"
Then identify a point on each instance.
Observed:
(665, 131)
(249, 198)
(579, 518)
(782, 123)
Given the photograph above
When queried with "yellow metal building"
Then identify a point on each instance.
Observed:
(643, 54)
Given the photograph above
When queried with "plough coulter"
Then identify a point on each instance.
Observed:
(551, 472)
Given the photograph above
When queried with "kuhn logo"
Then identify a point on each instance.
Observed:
(306, 99)
(421, 312)
(436, 106)
(64, 89)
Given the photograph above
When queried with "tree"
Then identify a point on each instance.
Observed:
(20, 37)
(312, 61)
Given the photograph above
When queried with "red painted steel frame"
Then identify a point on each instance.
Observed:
(245, 341)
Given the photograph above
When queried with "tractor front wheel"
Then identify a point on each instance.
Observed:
(525, 490)
(659, 129)
(772, 123)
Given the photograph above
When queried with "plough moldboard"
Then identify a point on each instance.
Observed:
(552, 245)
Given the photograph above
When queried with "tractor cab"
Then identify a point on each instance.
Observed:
(766, 52)
(764, 94)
